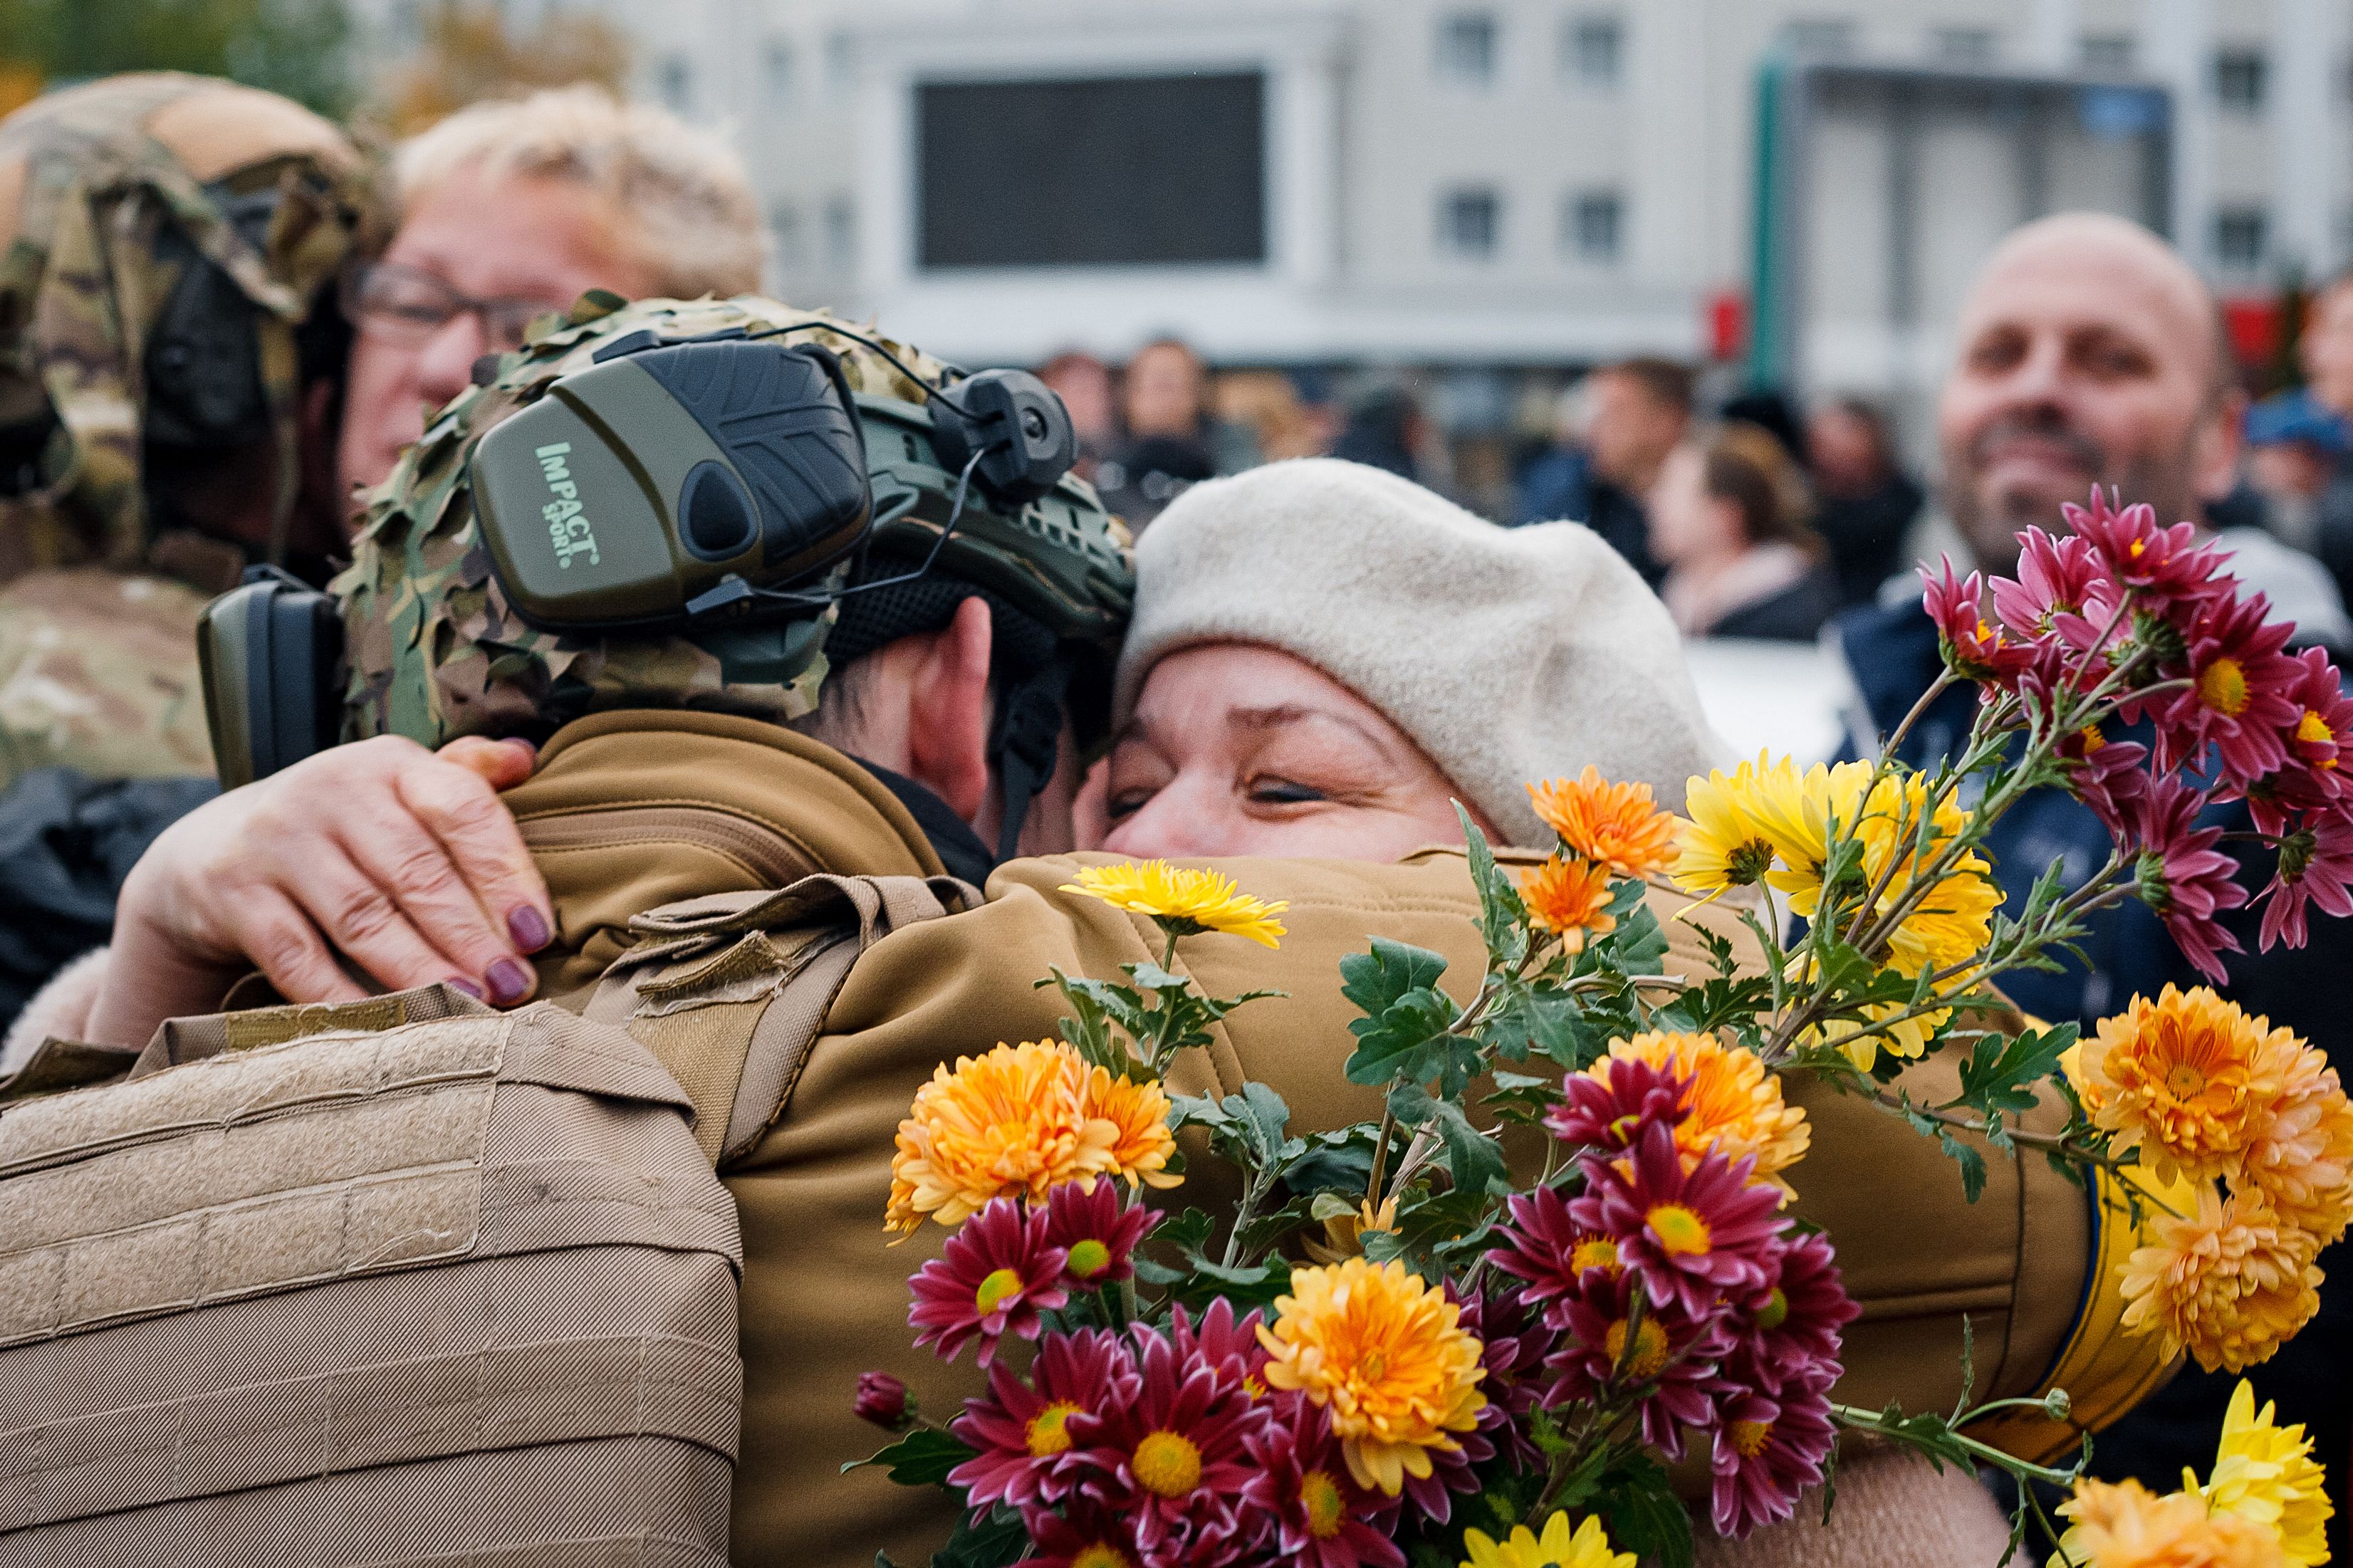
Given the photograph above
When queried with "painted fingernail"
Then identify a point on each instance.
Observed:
(510, 981)
(528, 926)
(459, 982)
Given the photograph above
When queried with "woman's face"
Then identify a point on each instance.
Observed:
(1240, 749)
(1686, 521)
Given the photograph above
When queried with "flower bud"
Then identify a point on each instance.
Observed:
(2056, 1404)
(881, 1399)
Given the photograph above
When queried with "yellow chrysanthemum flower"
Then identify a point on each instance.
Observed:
(1558, 1547)
(1019, 1121)
(2126, 1526)
(1343, 1234)
(1736, 1105)
(2266, 1473)
(1720, 846)
(1184, 902)
(1386, 1355)
(1800, 813)
(2188, 1080)
(2227, 1283)
(1569, 898)
(1947, 924)
(1616, 824)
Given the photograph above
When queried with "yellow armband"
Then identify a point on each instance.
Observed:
(2105, 1369)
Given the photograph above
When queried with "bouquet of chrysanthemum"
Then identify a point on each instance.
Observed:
(1398, 1346)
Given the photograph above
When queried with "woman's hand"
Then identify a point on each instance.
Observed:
(401, 859)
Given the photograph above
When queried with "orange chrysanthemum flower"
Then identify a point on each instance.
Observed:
(1736, 1105)
(1386, 1355)
(2228, 1284)
(2188, 1080)
(2126, 1526)
(1617, 825)
(2301, 1157)
(1570, 897)
(1019, 1121)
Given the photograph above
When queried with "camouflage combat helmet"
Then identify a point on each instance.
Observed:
(434, 651)
(145, 222)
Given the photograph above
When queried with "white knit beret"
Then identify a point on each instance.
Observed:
(1508, 655)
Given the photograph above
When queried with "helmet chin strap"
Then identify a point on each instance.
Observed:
(1028, 739)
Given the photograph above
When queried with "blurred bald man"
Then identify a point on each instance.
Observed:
(2088, 352)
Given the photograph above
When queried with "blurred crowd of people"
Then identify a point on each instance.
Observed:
(1752, 517)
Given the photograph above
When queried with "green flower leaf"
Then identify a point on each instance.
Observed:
(922, 1458)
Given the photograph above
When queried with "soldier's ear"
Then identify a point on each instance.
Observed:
(948, 732)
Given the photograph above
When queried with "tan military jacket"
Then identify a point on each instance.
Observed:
(824, 1298)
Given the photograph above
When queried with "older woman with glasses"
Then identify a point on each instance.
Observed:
(506, 211)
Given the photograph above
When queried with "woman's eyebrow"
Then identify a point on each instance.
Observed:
(1284, 714)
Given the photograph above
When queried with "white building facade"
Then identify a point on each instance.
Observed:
(1464, 182)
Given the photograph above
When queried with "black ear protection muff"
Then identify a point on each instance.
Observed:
(268, 652)
(687, 484)
(202, 363)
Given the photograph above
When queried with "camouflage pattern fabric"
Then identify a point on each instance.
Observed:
(434, 651)
(98, 673)
(89, 177)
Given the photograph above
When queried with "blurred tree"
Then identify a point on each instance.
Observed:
(291, 46)
(467, 54)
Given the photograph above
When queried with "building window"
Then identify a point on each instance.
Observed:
(1820, 36)
(1470, 223)
(1969, 48)
(1593, 227)
(2239, 80)
(2107, 54)
(676, 77)
(1593, 52)
(785, 223)
(1466, 47)
(776, 73)
(2239, 237)
(840, 235)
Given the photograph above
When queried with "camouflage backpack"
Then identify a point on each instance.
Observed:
(163, 238)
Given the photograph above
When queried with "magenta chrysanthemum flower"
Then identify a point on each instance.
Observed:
(2061, 593)
(1607, 1343)
(2323, 721)
(2316, 866)
(1975, 646)
(1767, 1452)
(1183, 1459)
(2236, 703)
(2105, 775)
(2164, 567)
(1098, 1231)
(1693, 1238)
(1791, 1334)
(1030, 1454)
(1514, 1345)
(1218, 1338)
(1612, 1116)
(1543, 1245)
(1320, 1516)
(993, 1278)
(1092, 1537)
(881, 1399)
(2181, 876)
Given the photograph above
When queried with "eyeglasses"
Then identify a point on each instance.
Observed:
(407, 305)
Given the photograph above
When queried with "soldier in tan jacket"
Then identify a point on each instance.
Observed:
(403, 862)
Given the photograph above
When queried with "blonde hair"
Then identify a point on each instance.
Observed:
(684, 194)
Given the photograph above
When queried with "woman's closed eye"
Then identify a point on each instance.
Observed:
(1271, 791)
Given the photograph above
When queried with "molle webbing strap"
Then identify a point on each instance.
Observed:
(730, 992)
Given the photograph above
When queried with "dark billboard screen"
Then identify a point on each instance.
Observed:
(1132, 171)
